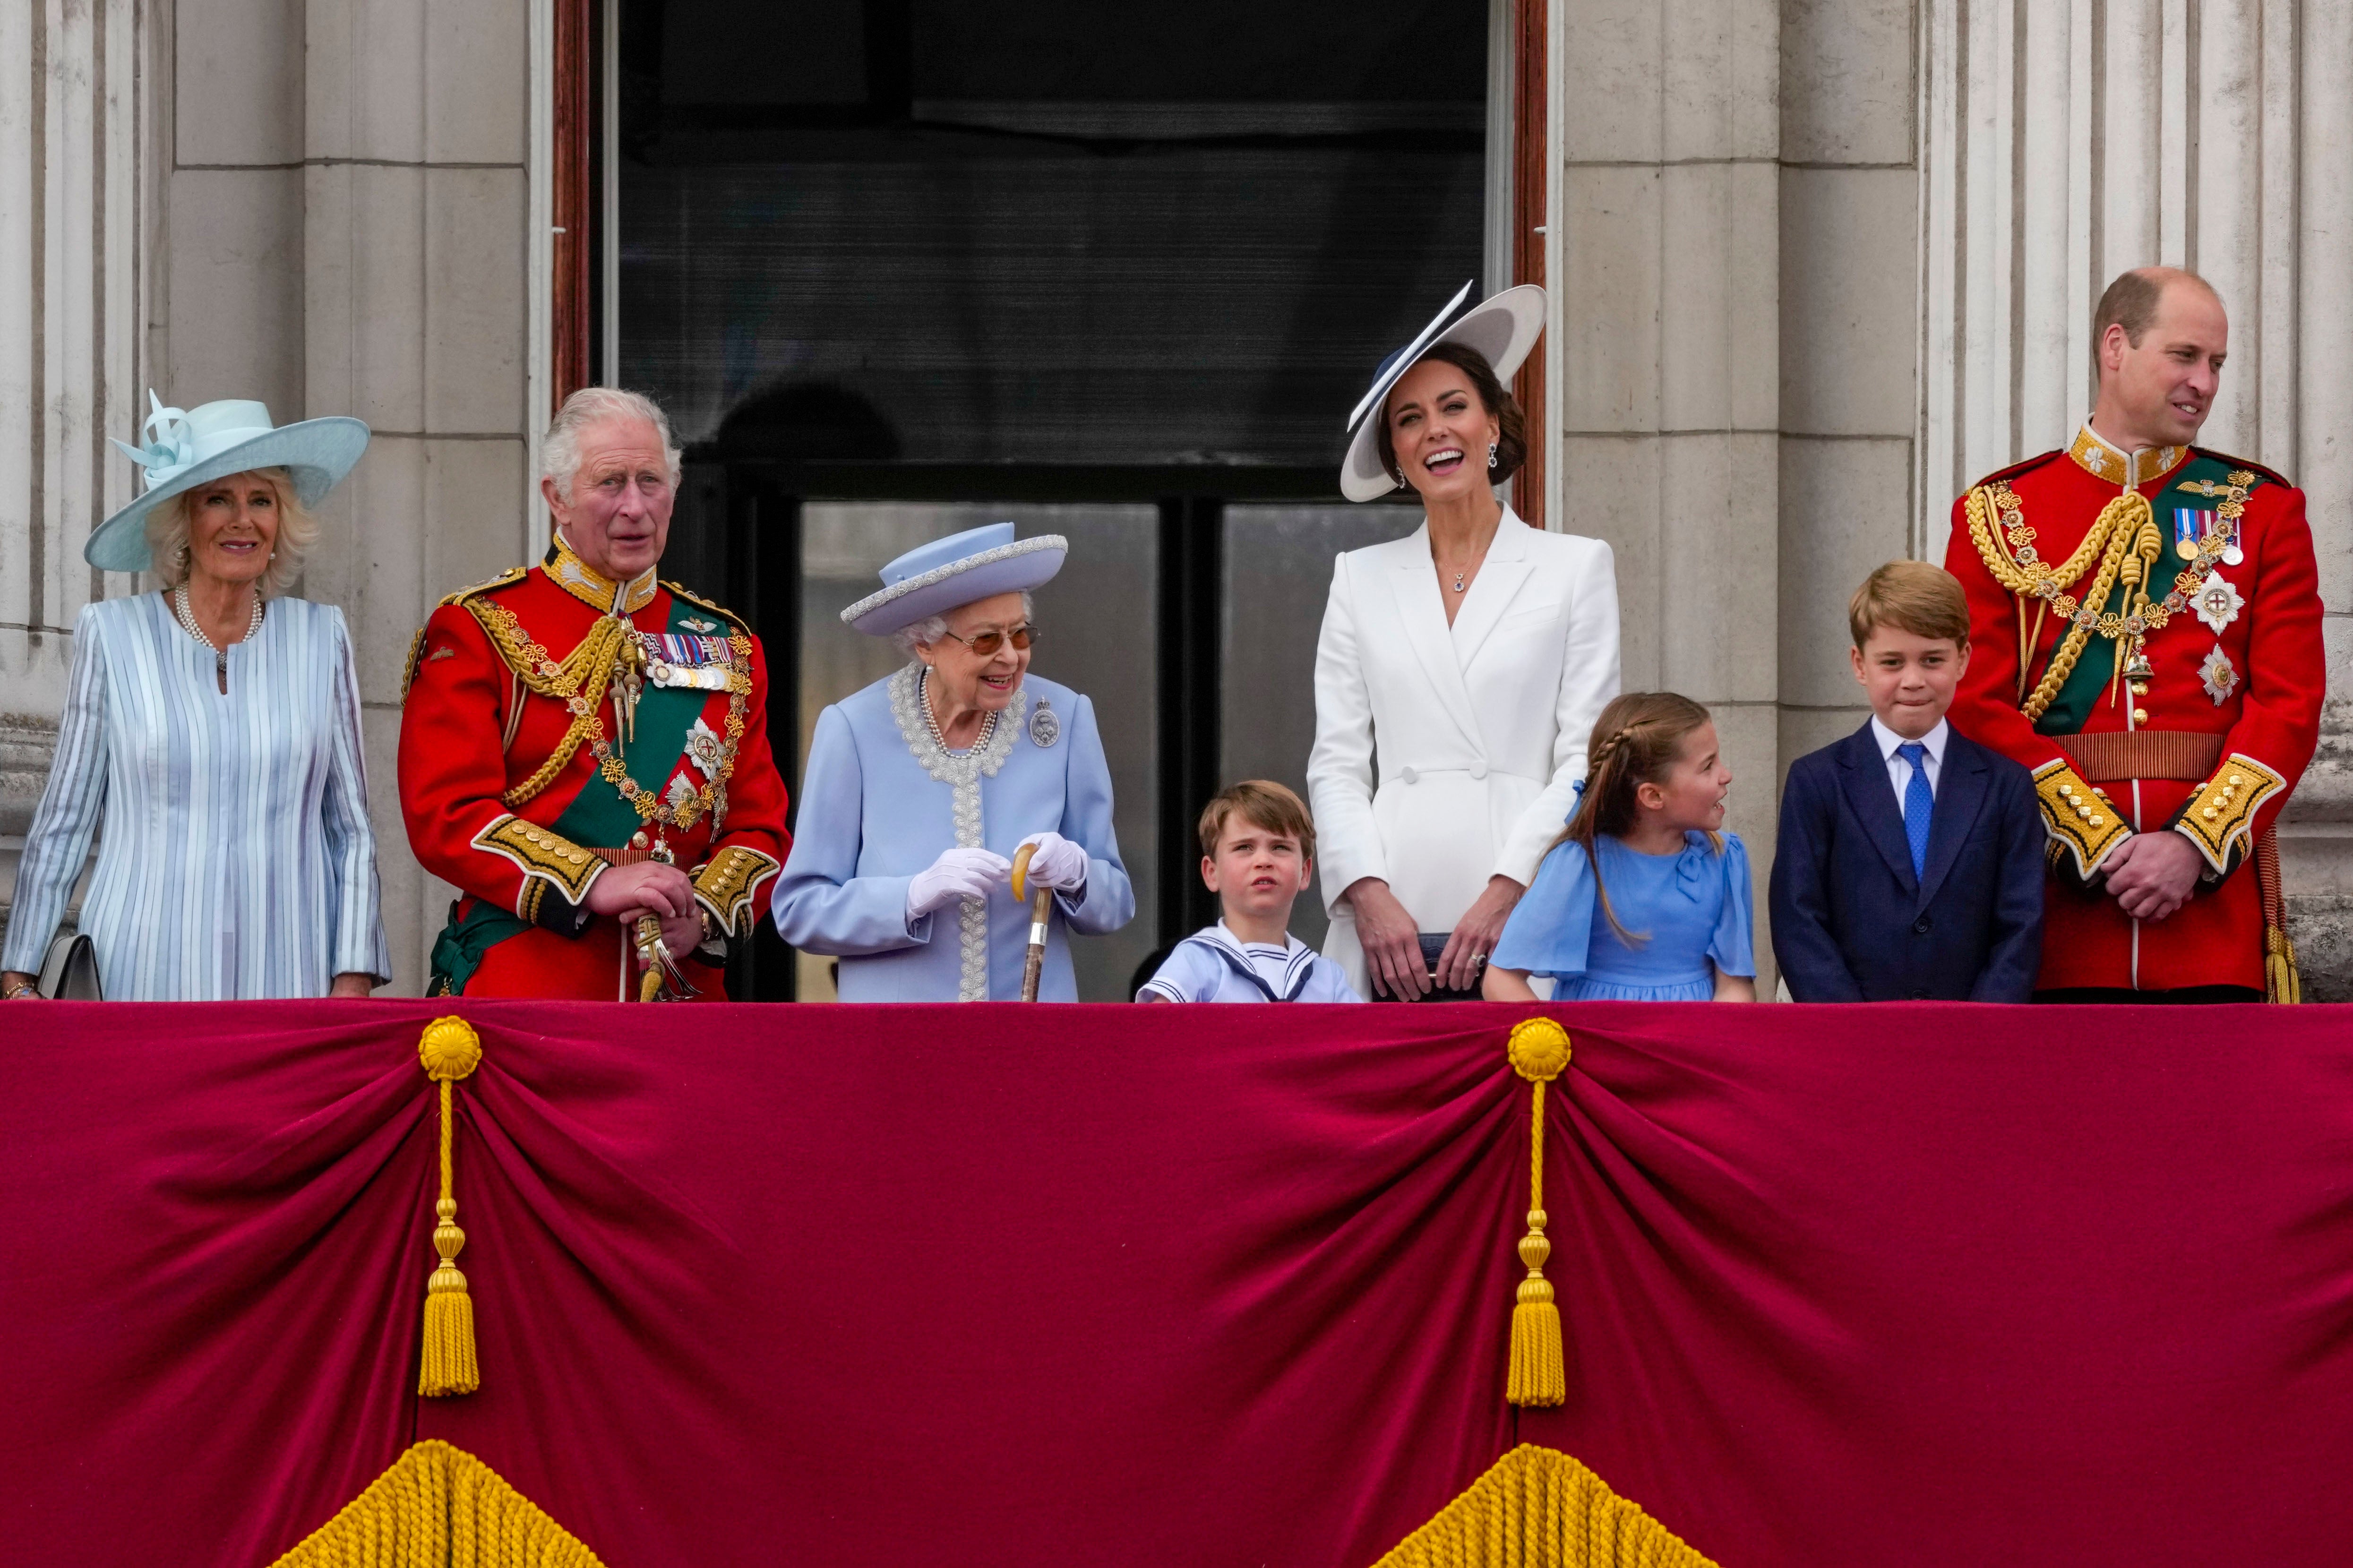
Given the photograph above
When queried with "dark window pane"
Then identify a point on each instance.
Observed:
(1278, 575)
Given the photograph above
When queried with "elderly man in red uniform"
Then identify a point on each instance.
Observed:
(2145, 622)
(584, 751)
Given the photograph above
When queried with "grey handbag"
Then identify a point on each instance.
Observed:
(69, 972)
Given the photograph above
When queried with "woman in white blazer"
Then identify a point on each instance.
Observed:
(1460, 670)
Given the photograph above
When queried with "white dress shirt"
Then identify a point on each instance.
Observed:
(1899, 771)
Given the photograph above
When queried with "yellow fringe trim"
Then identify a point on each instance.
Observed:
(1538, 1508)
(1539, 1371)
(439, 1507)
(449, 1050)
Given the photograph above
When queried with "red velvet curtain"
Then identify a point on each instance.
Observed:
(1188, 1284)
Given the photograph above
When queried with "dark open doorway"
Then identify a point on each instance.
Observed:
(899, 268)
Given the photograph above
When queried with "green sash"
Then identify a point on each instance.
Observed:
(597, 816)
(2087, 684)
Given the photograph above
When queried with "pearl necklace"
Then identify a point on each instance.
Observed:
(183, 612)
(988, 724)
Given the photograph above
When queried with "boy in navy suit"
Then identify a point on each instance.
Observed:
(1909, 866)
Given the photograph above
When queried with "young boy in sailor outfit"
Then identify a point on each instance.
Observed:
(1258, 851)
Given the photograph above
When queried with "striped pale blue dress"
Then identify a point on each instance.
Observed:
(235, 860)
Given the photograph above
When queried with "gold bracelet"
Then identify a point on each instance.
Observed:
(21, 989)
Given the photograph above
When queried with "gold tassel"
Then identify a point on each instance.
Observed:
(1539, 1371)
(2282, 980)
(449, 1050)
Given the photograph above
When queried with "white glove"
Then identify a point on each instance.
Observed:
(956, 876)
(1059, 863)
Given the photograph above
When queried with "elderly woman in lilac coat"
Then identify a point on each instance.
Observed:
(921, 788)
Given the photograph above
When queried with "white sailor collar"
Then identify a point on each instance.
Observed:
(1298, 958)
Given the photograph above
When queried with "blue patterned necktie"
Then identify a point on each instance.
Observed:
(1918, 802)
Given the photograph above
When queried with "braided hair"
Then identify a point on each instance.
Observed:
(1636, 741)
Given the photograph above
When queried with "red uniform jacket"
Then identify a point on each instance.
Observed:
(2203, 733)
(507, 795)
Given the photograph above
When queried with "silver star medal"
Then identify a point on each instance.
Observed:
(2222, 676)
(2218, 601)
(702, 749)
(1044, 728)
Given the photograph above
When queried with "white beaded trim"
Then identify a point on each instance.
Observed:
(938, 574)
(961, 773)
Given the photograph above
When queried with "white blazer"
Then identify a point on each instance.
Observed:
(1478, 730)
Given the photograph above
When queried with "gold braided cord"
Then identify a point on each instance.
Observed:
(2111, 537)
(439, 1507)
(578, 680)
(1538, 1508)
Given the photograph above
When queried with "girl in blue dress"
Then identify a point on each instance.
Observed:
(1644, 898)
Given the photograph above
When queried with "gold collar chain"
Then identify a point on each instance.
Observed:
(593, 588)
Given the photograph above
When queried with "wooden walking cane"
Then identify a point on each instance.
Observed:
(1041, 909)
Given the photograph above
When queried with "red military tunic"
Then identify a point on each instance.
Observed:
(2189, 702)
(527, 771)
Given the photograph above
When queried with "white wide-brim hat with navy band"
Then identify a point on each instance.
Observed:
(212, 441)
(935, 578)
(1503, 329)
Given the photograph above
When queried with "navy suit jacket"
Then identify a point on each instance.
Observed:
(1850, 921)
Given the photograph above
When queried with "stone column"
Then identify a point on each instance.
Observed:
(2067, 141)
(1669, 322)
(414, 199)
(1849, 340)
(74, 155)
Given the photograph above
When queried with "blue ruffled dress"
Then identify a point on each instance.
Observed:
(1689, 913)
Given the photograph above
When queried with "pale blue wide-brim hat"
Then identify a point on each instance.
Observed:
(935, 578)
(186, 448)
(1503, 328)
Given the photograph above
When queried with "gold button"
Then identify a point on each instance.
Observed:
(2098, 821)
(2236, 779)
(2208, 813)
(577, 857)
(2140, 715)
(2082, 811)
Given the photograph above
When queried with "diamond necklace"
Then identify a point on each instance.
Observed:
(923, 695)
(187, 617)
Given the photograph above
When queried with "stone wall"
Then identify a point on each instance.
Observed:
(1818, 261)
(323, 205)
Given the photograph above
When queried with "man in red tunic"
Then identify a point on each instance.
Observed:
(2145, 622)
(584, 751)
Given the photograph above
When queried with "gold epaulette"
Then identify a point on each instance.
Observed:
(511, 575)
(2220, 815)
(2084, 825)
(695, 598)
(417, 644)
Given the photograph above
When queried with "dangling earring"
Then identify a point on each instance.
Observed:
(1400, 477)
(1491, 454)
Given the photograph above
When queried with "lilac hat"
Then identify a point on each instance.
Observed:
(935, 578)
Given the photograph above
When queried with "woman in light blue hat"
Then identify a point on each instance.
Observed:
(214, 728)
(921, 788)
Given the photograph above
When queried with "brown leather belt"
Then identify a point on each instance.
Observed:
(2114, 755)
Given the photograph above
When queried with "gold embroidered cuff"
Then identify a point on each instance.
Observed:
(2220, 818)
(726, 884)
(2084, 826)
(542, 857)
